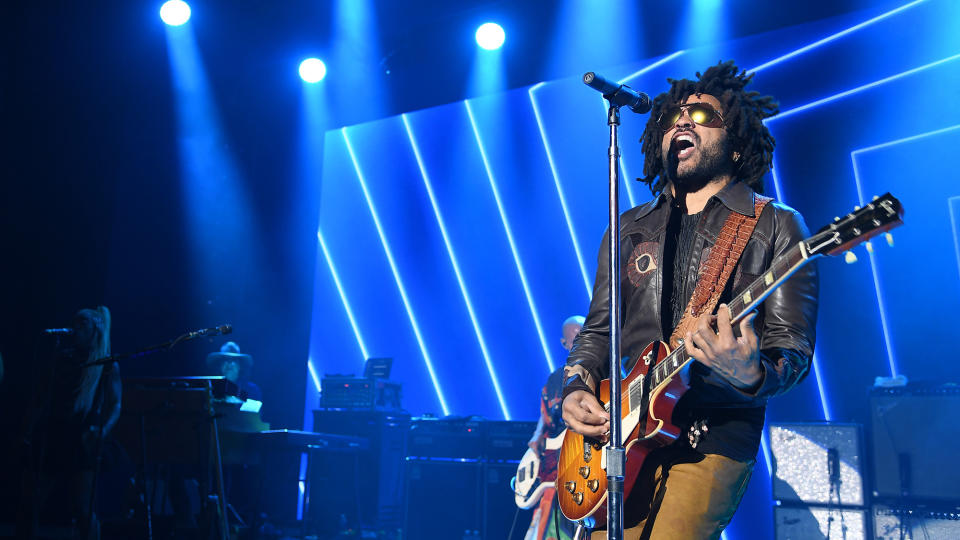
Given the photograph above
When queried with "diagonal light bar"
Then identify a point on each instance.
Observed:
(513, 245)
(343, 296)
(556, 183)
(833, 37)
(766, 451)
(313, 373)
(887, 339)
(658, 63)
(816, 364)
(396, 274)
(953, 222)
(856, 175)
(456, 267)
(905, 140)
(852, 91)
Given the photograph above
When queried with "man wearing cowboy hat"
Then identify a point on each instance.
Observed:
(236, 367)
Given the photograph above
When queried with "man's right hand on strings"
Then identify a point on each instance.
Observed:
(584, 415)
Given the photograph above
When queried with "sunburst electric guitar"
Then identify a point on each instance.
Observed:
(654, 386)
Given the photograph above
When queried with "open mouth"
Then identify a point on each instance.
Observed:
(683, 146)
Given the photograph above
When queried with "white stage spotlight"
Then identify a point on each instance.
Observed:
(175, 12)
(490, 36)
(313, 70)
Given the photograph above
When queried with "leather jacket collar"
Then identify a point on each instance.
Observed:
(736, 196)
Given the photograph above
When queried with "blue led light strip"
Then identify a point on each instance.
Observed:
(823, 394)
(396, 273)
(766, 451)
(313, 373)
(816, 364)
(506, 228)
(654, 65)
(887, 338)
(953, 221)
(456, 267)
(846, 93)
(833, 37)
(343, 296)
(556, 183)
(905, 140)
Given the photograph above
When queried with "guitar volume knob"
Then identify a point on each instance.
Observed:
(578, 497)
(570, 486)
(585, 471)
(594, 485)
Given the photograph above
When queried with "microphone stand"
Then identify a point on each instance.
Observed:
(165, 346)
(616, 458)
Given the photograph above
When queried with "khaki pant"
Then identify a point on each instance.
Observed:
(681, 494)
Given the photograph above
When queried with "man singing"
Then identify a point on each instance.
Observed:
(706, 150)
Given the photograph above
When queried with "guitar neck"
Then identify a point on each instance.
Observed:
(782, 268)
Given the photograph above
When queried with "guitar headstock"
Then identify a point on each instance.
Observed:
(879, 216)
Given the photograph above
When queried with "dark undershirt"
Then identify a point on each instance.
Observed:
(733, 432)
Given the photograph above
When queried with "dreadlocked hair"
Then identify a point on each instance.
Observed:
(743, 113)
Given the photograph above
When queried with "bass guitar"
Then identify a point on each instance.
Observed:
(654, 386)
(536, 472)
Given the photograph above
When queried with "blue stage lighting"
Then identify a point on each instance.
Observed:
(175, 12)
(313, 70)
(490, 36)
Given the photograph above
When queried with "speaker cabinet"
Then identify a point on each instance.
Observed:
(915, 440)
(500, 511)
(817, 522)
(443, 499)
(891, 523)
(366, 490)
(804, 455)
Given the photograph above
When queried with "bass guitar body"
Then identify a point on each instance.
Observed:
(647, 413)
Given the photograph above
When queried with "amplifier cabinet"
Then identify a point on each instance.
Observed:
(444, 499)
(507, 440)
(371, 482)
(915, 438)
(455, 438)
(804, 456)
(813, 522)
(892, 523)
(502, 520)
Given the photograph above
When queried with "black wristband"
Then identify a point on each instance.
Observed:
(572, 384)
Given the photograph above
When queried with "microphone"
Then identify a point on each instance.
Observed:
(618, 94)
(58, 331)
(221, 330)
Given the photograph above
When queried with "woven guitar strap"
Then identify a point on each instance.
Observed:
(716, 271)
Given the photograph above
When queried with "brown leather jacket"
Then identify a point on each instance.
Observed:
(786, 323)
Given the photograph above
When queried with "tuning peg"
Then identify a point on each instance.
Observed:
(869, 246)
(875, 197)
(850, 257)
(889, 238)
(856, 208)
(836, 218)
